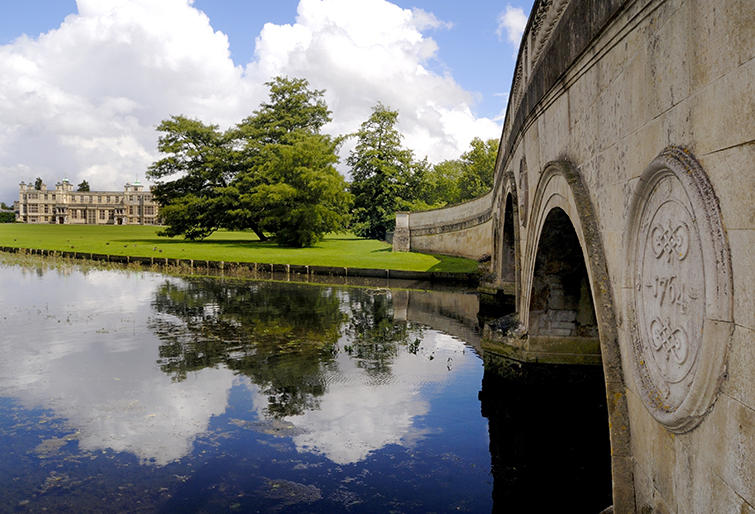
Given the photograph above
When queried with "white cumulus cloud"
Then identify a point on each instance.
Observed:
(82, 101)
(512, 22)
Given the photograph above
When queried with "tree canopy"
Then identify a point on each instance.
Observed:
(83, 186)
(458, 180)
(192, 205)
(272, 173)
(386, 177)
(380, 171)
(478, 168)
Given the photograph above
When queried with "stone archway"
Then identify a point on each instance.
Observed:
(507, 250)
(561, 201)
(561, 303)
(508, 243)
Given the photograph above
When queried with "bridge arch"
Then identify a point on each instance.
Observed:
(561, 203)
(506, 250)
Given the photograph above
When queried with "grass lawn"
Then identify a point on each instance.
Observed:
(142, 241)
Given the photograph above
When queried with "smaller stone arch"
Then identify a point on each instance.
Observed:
(507, 251)
(561, 302)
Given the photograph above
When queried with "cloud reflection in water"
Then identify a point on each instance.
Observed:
(141, 363)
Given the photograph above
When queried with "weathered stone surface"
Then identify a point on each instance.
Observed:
(463, 230)
(739, 383)
(401, 235)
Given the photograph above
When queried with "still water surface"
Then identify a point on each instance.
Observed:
(125, 391)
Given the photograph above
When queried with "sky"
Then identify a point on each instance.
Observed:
(83, 84)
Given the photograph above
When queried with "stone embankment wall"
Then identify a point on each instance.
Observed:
(325, 274)
(462, 230)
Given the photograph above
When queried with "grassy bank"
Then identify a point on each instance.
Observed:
(142, 241)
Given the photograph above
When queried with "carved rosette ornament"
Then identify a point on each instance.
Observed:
(680, 304)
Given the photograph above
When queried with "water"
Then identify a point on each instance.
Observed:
(131, 391)
(136, 392)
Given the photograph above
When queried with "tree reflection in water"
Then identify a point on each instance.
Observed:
(284, 337)
(375, 334)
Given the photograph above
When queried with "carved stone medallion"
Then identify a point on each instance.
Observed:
(679, 260)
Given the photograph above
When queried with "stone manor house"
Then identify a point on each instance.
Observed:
(64, 206)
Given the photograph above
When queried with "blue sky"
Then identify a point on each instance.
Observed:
(86, 82)
(471, 50)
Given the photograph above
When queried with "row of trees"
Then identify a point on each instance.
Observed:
(387, 178)
(6, 217)
(274, 173)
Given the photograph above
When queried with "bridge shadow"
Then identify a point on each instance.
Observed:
(549, 444)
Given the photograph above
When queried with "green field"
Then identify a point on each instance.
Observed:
(343, 250)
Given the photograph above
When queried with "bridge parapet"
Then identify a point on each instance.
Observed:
(462, 230)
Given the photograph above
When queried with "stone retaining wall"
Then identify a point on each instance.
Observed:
(463, 230)
(254, 267)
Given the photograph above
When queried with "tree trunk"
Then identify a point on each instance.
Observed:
(259, 232)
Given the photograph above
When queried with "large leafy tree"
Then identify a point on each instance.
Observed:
(381, 169)
(296, 190)
(272, 173)
(293, 107)
(442, 185)
(83, 186)
(193, 204)
(288, 179)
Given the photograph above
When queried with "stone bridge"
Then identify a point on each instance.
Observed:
(622, 222)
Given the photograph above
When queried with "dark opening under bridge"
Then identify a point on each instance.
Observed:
(622, 221)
